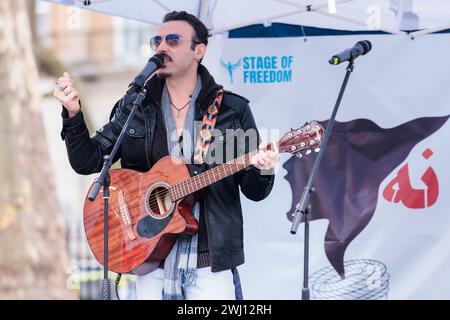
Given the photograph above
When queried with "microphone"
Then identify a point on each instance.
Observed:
(360, 48)
(153, 64)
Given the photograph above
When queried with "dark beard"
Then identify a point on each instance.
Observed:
(163, 75)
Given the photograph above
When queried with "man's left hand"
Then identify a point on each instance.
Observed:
(265, 159)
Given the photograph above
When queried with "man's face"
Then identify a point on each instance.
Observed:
(181, 58)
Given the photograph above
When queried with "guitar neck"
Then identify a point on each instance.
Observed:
(296, 141)
(204, 179)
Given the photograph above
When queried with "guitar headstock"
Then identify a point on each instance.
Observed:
(302, 140)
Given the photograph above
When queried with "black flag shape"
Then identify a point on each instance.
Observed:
(358, 158)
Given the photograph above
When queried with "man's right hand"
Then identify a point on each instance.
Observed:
(66, 93)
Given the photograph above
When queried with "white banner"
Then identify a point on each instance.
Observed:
(380, 212)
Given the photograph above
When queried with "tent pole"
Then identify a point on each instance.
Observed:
(203, 11)
(416, 34)
(296, 5)
(299, 10)
(344, 18)
(158, 2)
(256, 21)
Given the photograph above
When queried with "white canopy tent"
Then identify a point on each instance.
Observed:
(392, 16)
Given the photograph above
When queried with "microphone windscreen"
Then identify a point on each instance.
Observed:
(366, 45)
(157, 59)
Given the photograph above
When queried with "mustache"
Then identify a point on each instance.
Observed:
(166, 56)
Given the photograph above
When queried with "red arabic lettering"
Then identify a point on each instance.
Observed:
(400, 188)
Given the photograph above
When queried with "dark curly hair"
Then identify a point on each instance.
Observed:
(201, 32)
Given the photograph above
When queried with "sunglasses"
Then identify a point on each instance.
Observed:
(173, 40)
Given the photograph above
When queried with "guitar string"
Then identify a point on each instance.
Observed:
(236, 161)
(180, 188)
(243, 160)
(194, 180)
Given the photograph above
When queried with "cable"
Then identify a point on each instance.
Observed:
(119, 275)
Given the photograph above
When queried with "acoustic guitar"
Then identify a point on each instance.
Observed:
(148, 211)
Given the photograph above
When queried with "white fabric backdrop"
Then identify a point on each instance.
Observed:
(398, 81)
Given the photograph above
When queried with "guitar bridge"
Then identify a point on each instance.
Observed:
(125, 216)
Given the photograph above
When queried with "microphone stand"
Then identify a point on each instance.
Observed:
(104, 179)
(304, 201)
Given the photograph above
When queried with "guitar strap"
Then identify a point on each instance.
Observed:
(206, 129)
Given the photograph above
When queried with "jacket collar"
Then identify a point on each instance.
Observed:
(207, 92)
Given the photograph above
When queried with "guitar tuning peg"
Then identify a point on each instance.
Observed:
(308, 151)
(298, 155)
(316, 149)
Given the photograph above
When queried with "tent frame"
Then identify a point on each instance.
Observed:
(325, 9)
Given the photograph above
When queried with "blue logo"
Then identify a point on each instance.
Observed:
(230, 67)
(261, 69)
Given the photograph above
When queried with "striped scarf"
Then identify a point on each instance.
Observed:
(181, 263)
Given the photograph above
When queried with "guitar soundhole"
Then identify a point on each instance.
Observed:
(159, 205)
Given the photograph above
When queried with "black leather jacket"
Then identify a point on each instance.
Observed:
(221, 202)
